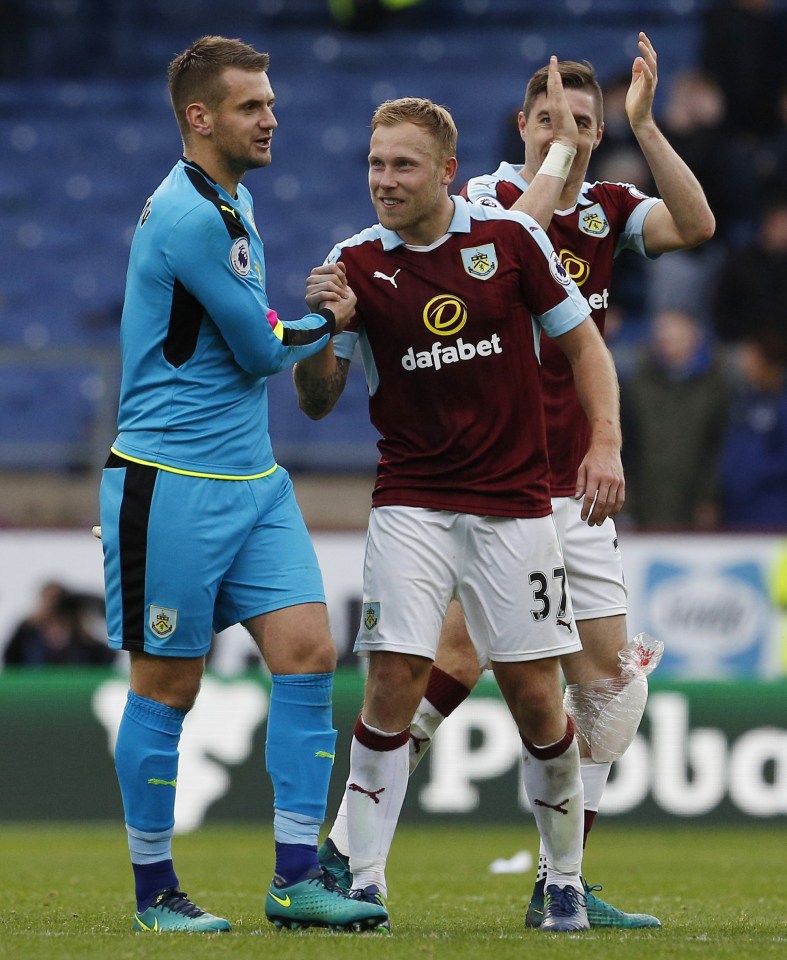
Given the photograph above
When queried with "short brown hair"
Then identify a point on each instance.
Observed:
(575, 76)
(196, 74)
(435, 119)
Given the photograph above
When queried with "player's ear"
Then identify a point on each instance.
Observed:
(599, 135)
(449, 171)
(521, 120)
(199, 119)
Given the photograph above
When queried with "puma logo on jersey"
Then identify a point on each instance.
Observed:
(417, 741)
(558, 807)
(564, 623)
(379, 275)
(374, 794)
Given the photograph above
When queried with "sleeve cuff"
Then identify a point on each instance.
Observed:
(330, 319)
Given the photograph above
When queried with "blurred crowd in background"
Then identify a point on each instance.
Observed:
(700, 337)
(65, 628)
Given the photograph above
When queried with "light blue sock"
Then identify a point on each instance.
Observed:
(300, 748)
(146, 761)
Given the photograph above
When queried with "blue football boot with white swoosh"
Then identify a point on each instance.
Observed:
(565, 910)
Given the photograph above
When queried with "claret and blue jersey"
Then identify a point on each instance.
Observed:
(198, 335)
(606, 219)
(449, 338)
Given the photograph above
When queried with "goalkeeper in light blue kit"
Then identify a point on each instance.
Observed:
(200, 526)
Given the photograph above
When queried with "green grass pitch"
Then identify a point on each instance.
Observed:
(720, 892)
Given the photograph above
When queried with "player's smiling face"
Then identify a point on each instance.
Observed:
(408, 182)
(536, 131)
(243, 123)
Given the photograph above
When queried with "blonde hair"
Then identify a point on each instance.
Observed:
(196, 75)
(435, 119)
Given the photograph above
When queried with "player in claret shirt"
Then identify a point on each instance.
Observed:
(451, 300)
(588, 224)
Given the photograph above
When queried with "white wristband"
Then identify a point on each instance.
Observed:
(558, 161)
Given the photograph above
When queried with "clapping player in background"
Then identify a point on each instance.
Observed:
(588, 224)
(449, 296)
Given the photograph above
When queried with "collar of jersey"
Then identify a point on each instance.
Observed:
(512, 173)
(195, 166)
(216, 186)
(460, 223)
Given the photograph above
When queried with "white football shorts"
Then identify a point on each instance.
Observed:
(507, 573)
(593, 562)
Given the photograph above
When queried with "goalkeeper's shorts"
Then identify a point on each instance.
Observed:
(184, 555)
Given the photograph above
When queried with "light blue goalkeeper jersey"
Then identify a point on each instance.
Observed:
(198, 336)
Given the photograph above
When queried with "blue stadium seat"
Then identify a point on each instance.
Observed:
(84, 151)
(46, 420)
(345, 441)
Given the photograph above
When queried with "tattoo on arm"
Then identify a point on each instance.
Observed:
(317, 395)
